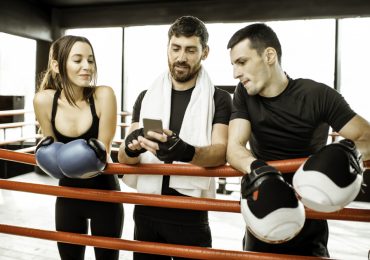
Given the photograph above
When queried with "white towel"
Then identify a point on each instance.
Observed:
(196, 129)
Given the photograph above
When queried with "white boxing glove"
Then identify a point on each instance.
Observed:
(331, 178)
(269, 205)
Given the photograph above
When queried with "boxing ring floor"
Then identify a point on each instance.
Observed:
(347, 240)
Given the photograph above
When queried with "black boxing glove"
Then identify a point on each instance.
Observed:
(269, 205)
(134, 135)
(260, 171)
(175, 149)
(331, 178)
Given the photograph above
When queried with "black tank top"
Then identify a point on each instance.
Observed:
(103, 181)
(92, 132)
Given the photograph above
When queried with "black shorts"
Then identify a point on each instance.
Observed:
(155, 230)
(311, 241)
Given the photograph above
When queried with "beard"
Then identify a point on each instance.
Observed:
(183, 76)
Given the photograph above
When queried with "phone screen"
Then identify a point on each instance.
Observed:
(154, 125)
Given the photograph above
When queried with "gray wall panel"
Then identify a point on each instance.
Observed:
(209, 11)
(25, 19)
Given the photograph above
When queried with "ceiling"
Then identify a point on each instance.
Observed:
(82, 3)
(107, 13)
(46, 19)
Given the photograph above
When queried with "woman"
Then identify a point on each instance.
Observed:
(69, 106)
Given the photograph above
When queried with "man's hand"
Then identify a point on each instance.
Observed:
(168, 147)
(132, 145)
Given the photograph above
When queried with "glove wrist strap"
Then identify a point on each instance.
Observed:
(257, 176)
(131, 153)
(188, 153)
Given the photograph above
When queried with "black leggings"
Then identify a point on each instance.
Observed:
(106, 219)
(147, 229)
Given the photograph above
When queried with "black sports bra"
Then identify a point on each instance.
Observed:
(92, 132)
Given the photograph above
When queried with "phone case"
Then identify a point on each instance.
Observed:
(154, 125)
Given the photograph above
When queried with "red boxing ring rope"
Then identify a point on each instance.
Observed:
(166, 201)
(145, 247)
(157, 200)
(285, 166)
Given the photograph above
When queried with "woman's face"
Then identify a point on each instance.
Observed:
(80, 65)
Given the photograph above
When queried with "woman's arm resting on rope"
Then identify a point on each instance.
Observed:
(107, 109)
(42, 104)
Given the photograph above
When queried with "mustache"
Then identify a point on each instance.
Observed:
(181, 64)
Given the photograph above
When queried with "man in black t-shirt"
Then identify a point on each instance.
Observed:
(283, 118)
(195, 118)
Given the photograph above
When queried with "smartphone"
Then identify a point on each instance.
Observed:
(154, 125)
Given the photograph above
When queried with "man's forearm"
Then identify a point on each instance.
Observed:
(364, 148)
(210, 156)
(123, 158)
(240, 158)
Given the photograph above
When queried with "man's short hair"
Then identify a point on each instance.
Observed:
(189, 26)
(260, 36)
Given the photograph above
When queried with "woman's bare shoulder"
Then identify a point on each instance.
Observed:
(105, 100)
(104, 91)
(104, 94)
(44, 97)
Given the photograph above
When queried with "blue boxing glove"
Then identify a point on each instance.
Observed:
(46, 156)
(81, 160)
(269, 205)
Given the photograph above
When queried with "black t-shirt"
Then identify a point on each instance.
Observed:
(293, 124)
(179, 103)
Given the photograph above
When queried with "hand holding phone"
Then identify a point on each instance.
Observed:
(154, 125)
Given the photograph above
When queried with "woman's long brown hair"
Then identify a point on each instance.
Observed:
(59, 51)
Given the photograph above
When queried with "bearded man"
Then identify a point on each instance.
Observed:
(195, 116)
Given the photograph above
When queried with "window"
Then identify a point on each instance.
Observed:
(145, 58)
(308, 52)
(17, 77)
(307, 47)
(354, 43)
